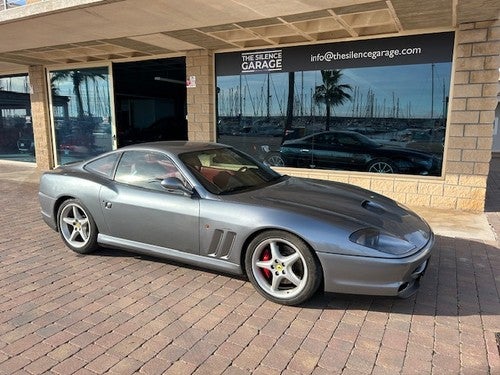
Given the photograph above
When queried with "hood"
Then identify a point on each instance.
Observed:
(404, 150)
(344, 203)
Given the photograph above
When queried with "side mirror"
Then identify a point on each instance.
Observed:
(174, 184)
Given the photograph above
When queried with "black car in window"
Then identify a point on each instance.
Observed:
(348, 150)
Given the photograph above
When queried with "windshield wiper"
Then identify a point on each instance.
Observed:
(237, 188)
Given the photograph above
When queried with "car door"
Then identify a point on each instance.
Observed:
(324, 151)
(352, 154)
(137, 208)
(298, 152)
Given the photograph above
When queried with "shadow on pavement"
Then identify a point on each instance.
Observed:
(459, 281)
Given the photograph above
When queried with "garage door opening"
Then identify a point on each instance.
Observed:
(150, 100)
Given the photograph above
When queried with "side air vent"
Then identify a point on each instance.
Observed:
(221, 243)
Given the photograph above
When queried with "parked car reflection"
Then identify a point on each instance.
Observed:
(348, 150)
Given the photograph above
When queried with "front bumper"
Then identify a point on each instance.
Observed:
(47, 210)
(375, 276)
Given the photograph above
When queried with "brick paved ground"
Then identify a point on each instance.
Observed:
(114, 312)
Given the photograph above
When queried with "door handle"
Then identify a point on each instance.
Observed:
(305, 150)
(108, 204)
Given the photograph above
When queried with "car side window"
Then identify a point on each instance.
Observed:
(103, 166)
(324, 139)
(320, 139)
(145, 169)
(347, 140)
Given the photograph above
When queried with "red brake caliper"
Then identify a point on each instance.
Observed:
(266, 255)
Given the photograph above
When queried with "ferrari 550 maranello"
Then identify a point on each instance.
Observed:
(211, 206)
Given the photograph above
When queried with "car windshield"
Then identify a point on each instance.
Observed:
(225, 170)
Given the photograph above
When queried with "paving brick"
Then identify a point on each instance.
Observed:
(63, 351)
(155, 366)
(299, 328)
(69, 366)
(37, 351)
(278, 357)
(390, 358)
(199, 353)
(213, 365)
(445, 364)
(250, 358)
(190, 337)
(90, 352)
(303, 362)
(314, 346)
(347, 332)
(21, 345)
(229, 350)
(121, 314)
(361, 360)
(395, 339)
(414, 364)
(41, 365)
(172, 353)
(102, 363)
(126, 366)
(243, 335)
(13, 364)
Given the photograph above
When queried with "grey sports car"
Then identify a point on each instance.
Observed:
(209, 205)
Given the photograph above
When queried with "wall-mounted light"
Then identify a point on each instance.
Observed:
(170, 80)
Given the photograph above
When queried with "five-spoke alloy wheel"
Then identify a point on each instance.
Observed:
(76, 226)
(282, 267)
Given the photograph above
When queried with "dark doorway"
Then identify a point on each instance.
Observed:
(150, 100)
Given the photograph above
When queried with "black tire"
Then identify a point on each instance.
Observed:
(382, 166)
(77, 227)
(282, 267)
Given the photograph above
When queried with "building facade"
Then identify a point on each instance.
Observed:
(339, 89)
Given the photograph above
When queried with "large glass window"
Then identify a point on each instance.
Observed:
(81, 113)
(16, 129)
(375, 106)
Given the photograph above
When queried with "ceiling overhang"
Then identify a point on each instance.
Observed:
(53, 33)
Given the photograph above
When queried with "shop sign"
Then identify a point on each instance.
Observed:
(406, 50)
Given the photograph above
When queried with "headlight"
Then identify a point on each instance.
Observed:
(427, 162)
(381, 241)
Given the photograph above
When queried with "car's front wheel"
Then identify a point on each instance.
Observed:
(282, 267)
(77, 227)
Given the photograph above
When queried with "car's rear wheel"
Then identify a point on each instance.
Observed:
(77, 227)
(282, 267)
(275, 160)
(381, 166)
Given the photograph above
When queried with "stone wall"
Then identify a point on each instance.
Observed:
(200, 99)
(40, 117)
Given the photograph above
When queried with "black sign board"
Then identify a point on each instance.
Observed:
(405, 50)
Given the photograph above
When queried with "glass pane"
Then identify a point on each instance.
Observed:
(145, 169)
(82, 113)
(16, 129)
(368, 109)
(103, 166)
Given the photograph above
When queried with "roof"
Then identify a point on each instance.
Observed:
(174, 147)
(55, 32)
